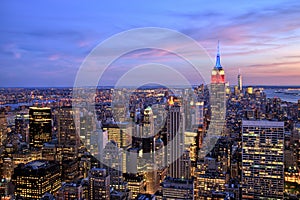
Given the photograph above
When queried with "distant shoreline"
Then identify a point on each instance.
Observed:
(150, 86)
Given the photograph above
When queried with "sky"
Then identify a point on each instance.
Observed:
(45, 43)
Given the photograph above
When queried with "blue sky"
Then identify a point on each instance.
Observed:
(43, 43)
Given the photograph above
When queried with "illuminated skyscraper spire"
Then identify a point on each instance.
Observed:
(218, 60)
(218, 74)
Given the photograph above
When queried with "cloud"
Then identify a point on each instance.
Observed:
(54, 57)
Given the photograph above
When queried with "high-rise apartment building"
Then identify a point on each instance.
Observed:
(40, 126)
(262, 159)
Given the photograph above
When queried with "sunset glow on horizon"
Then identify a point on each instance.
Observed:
(44, 43)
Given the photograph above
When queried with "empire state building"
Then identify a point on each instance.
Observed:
(217, 98)
(218, 108)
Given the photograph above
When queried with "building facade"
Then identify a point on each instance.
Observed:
(262, 159)
(99, 182)
(36, 178)
(40, 126)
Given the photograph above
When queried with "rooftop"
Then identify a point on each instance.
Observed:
(37, 164)
(262, 123)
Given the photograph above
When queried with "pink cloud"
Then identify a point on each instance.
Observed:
(54, 57)
(17, 55)
(83, 43)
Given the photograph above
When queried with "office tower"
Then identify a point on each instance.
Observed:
(199, 113)
(36, 178)
(173, 188)
(262, 159)
(188, 97)
(159, 156)
(148, 134)
(22, 126)
(40, 126)
(199, 123)
(112, 162)
(99, 182)
(240, 83)
(66, 128)
(175, 137)
(217, 99)
(68, 143)
(70, 191)
(148, 147)
(86, 130)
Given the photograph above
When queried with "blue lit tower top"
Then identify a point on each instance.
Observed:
(218, 60)
(218, 74)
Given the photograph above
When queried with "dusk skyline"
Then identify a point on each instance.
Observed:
(44, 43)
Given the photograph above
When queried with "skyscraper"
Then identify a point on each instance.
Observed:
(99, 182)
(87, 131)
(120, 132)
(217, 98)
(262, 159)
(148, 134)
(22, 126)
(66, 127)
(40, 126)
(217, 105)
(175, 137)
(299, 110)
(35, 178)
(240, 83)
